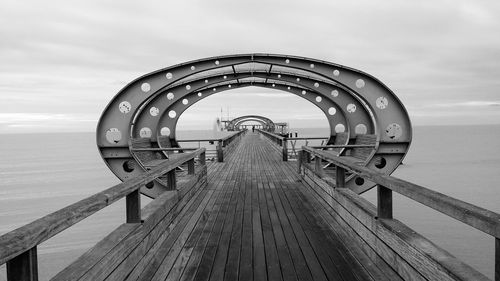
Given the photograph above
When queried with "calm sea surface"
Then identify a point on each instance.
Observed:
(42, 173)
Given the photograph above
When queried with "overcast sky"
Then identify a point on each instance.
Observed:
(61, 63)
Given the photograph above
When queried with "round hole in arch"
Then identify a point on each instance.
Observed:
(288, 88)
(125, 107)
(145, 132)
(170, 96)
(169, 75)
(200, 94)
(217, 62)
(172, 114)
(359, 181)
(279, 75)
(113, 135)
(185, 101)
(380, 162)
(274, 85)
(316, 84)
(311, 65)
(165, 131)
(318, 99)
(154, 111)
(394, 131)
(150, 185)
(351, 108)
(229, 86)
(336, 72)
(287, 61)
(304, 92)
(206, 81)
(360, 129)
(360, 83)
(332, 111)
(225, 77)
(145, 87)
(193, 67)
(214, 89)
(129, 166)
(335, 93)
(298, 79)
(339, 128)
(382, 102)
(188, 87)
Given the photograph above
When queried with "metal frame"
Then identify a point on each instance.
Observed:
(146, 103)
(267, 123)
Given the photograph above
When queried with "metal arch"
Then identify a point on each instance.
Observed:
(242, 122)
(393, 126)
(362, 114)
(268, 123)
(179, 107)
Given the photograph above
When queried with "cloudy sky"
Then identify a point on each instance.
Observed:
(61, 62)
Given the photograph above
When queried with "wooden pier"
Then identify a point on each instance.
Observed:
(254, 217)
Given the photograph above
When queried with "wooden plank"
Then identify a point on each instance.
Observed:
(245, 271)
(259, 257)
(272, 260)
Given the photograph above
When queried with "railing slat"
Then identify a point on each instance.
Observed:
(384, 202)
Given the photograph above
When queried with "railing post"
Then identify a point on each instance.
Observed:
(220, 153)
(191, 167)
(497, 259)
(285, 149)
(171, 180)
(307, 157)
(384, 202)
(317, 166)
(339, 177)
(203, 158)
(133, 206)
(300, 156)
(23, 267)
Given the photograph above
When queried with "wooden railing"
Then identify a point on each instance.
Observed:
(18, 248)
(222, 143)
(288, 144)
(477, 217)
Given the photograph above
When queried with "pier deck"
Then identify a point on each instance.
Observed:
(253, 222)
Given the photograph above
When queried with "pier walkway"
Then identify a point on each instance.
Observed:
(253, 222)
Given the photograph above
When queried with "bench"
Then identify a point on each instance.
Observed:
(363, 148)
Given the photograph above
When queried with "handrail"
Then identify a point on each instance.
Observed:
(477, 217)
(28, 236)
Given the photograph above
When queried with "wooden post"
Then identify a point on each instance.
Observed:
(307, 157)
(497, 259)
(384, 202)
(133, 206)
(23, 267)
(285, 150)
(317, 166)
(220, 153)
(191, 167)
(340, 177)
(171, 180)
(300, 158)
(202, 158)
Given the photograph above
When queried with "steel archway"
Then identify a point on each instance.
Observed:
(266, 122)
(147, 106)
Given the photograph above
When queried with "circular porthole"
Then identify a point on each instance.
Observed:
(113, 135)
(339, 128)
(359, 181)
(360, 129)
(172, 114)
(169, 75)
(128, 166)
(154, 111)
(145, 87)
(332, 111)
(170, 96)
(125, 107)
(145, 132)
(165, 131)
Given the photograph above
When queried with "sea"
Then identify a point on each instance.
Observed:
(41, 173)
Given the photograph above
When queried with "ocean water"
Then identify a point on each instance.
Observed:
(41, 173)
